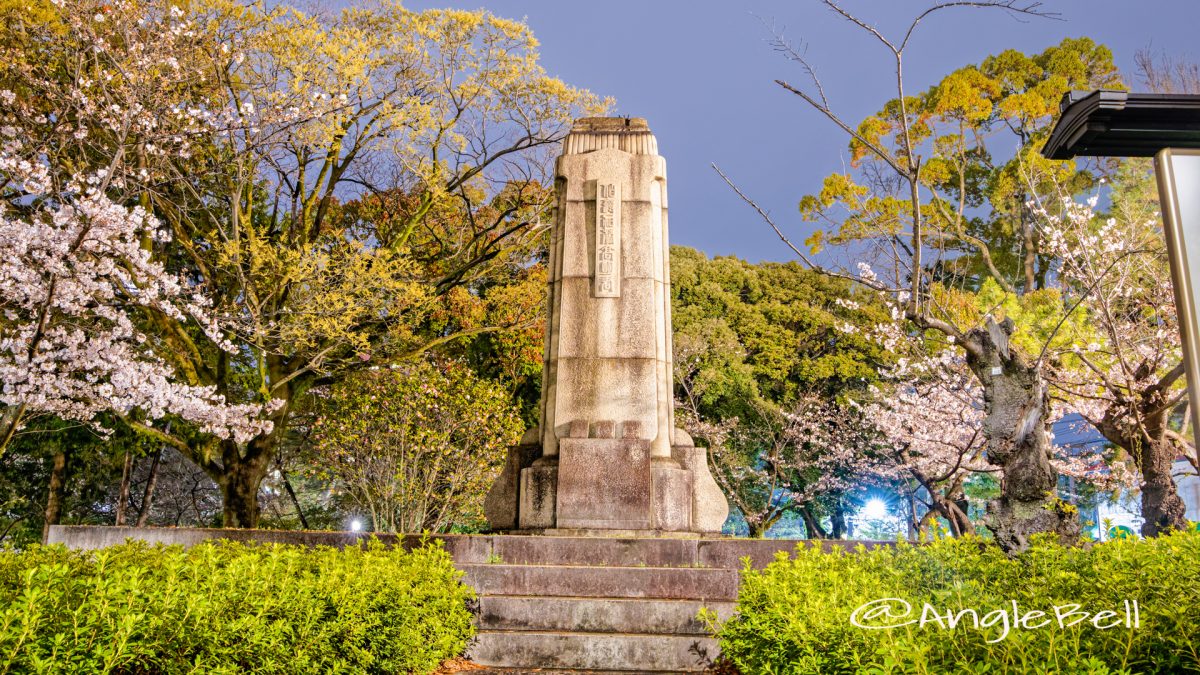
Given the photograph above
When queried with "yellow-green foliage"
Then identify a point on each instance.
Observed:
(794, 616)
(973, 189)
(417, 446)
(1041, 316)
(230, 608)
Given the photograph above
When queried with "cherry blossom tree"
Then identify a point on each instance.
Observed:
(829, 451)
(931, 426)
(815, 453)
(96, 101)
(929, 412)
(1128, 382)
(73, 278)
(80, 282)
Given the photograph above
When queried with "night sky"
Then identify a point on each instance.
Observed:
(702, 74)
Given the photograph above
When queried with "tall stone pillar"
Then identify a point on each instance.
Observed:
(607, 455)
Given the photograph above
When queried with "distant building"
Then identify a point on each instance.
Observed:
(1189, 487)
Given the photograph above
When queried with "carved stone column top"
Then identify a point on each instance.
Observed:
(629, 134)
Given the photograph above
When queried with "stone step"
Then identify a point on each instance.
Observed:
(727, 553)
(607, 551)
(593, 651)
(597, 615)
(674, 583)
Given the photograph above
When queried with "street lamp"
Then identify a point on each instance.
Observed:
(1167, 128)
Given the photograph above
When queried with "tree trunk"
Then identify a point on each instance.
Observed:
(911, 512)
(54, 497)
(243, 469)
(1030, 252)
(930, 517)
(953, 512)
(953, 505)
(242, 474)
(811, 525)
(837, 521)
(1017, 408)
(148, 493)
(123, 493)
(758, 528)
(287, 484)
(1162, 508)
(960, 523)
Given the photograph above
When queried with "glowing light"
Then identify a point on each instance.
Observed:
(874, 509)
(356, 525)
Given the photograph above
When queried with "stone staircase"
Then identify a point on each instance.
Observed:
(597, 618)
(597, 604)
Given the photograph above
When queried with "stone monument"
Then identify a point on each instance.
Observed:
(607, 456)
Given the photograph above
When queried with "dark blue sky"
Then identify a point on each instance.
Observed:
(703, 74)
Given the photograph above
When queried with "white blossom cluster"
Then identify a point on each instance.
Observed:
(1116, 269)
(77, 278)
(74, 278)
(935, 420)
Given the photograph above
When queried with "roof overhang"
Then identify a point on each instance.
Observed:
(1120, 124)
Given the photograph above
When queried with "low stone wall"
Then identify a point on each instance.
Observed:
(722, 553)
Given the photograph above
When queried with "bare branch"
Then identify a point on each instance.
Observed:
(861, 24)
(1010, 6)
(780, 44)
(795, 249)
(845, 127)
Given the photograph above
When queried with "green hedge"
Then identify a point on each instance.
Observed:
(795, 616)
(230, 608)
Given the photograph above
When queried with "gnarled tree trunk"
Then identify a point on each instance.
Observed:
(1139, 426)
(243, 470)
(1017, 409)
(1162, 508)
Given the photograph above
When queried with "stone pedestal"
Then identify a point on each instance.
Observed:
(538, 498)
(604, 483)
(709, 507)
(672, 489)
(608, 454)
(501, 505)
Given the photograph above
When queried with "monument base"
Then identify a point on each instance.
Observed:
(502, 501)
(604, 483)
(607, 487)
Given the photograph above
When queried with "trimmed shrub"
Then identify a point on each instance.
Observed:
(795, 615)
(223, 607)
